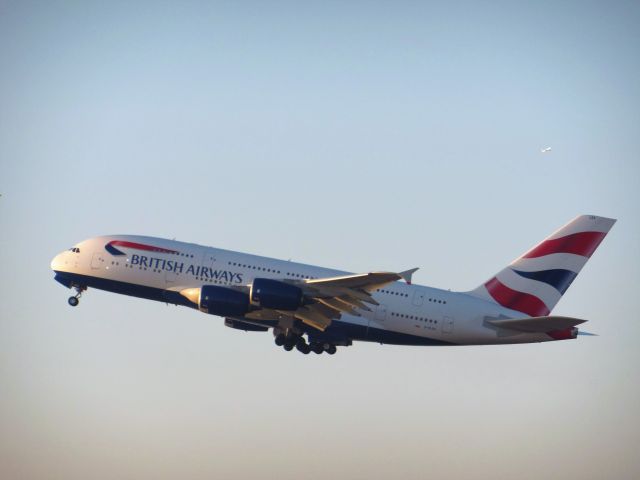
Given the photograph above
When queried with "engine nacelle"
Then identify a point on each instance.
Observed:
(267, 293)
(222, 301)
(247, 327)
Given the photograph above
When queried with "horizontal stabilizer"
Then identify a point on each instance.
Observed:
(537, 324)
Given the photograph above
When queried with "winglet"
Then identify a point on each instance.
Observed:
(406, 275)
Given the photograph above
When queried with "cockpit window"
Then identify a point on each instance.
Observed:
(74, 250)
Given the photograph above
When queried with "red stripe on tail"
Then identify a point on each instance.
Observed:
(520, 301)
(582, 243)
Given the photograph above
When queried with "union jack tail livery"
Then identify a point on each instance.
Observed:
(534, 283)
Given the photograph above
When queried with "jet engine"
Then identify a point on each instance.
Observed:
(267, 293)
(221, 301)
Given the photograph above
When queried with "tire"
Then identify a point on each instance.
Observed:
(280, 338)
(331, 350)
(73, 301)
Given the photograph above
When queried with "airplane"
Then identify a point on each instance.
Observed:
(316, 309)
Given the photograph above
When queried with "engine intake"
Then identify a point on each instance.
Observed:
(222, 301)
(267, 293)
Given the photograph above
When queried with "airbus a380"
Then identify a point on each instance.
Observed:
(333, 308)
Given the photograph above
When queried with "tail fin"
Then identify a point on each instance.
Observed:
(534, 283)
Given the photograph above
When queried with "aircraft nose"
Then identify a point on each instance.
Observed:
(56, 263)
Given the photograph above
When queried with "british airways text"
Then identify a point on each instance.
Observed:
(179, 267)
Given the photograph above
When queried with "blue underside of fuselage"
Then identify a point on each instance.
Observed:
(338, 330)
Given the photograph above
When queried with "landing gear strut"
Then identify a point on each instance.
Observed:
(75, 300)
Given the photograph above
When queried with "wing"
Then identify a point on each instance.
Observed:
(329, 298)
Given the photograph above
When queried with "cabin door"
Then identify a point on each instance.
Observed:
(447, 325)
(381, 313)
(418, 297)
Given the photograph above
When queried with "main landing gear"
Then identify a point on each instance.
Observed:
(288, 341)
(75, 300)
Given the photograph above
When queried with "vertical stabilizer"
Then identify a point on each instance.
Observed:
(534, 283)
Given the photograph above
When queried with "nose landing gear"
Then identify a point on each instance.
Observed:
(75, 300)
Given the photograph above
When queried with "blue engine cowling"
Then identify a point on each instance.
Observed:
(267, 293)
(222, 301)
(247, 327)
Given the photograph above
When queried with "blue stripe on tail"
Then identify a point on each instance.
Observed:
(558, 278)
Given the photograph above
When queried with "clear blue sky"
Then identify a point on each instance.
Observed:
(355, 135)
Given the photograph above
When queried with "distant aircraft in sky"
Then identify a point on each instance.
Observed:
(317, 309)
(545, 150)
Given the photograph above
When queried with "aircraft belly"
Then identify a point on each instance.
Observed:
(126, 288)
(368, 330)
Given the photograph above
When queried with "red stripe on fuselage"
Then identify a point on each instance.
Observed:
(520, 301)
(140, 246)
(582, 243)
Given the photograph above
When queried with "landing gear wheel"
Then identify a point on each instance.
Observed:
(288, 347)
(280, 339)
(302, 346)
(331, 349)
(317, 348)
(75, 300)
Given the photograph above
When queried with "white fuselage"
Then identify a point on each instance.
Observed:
(413, 311)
